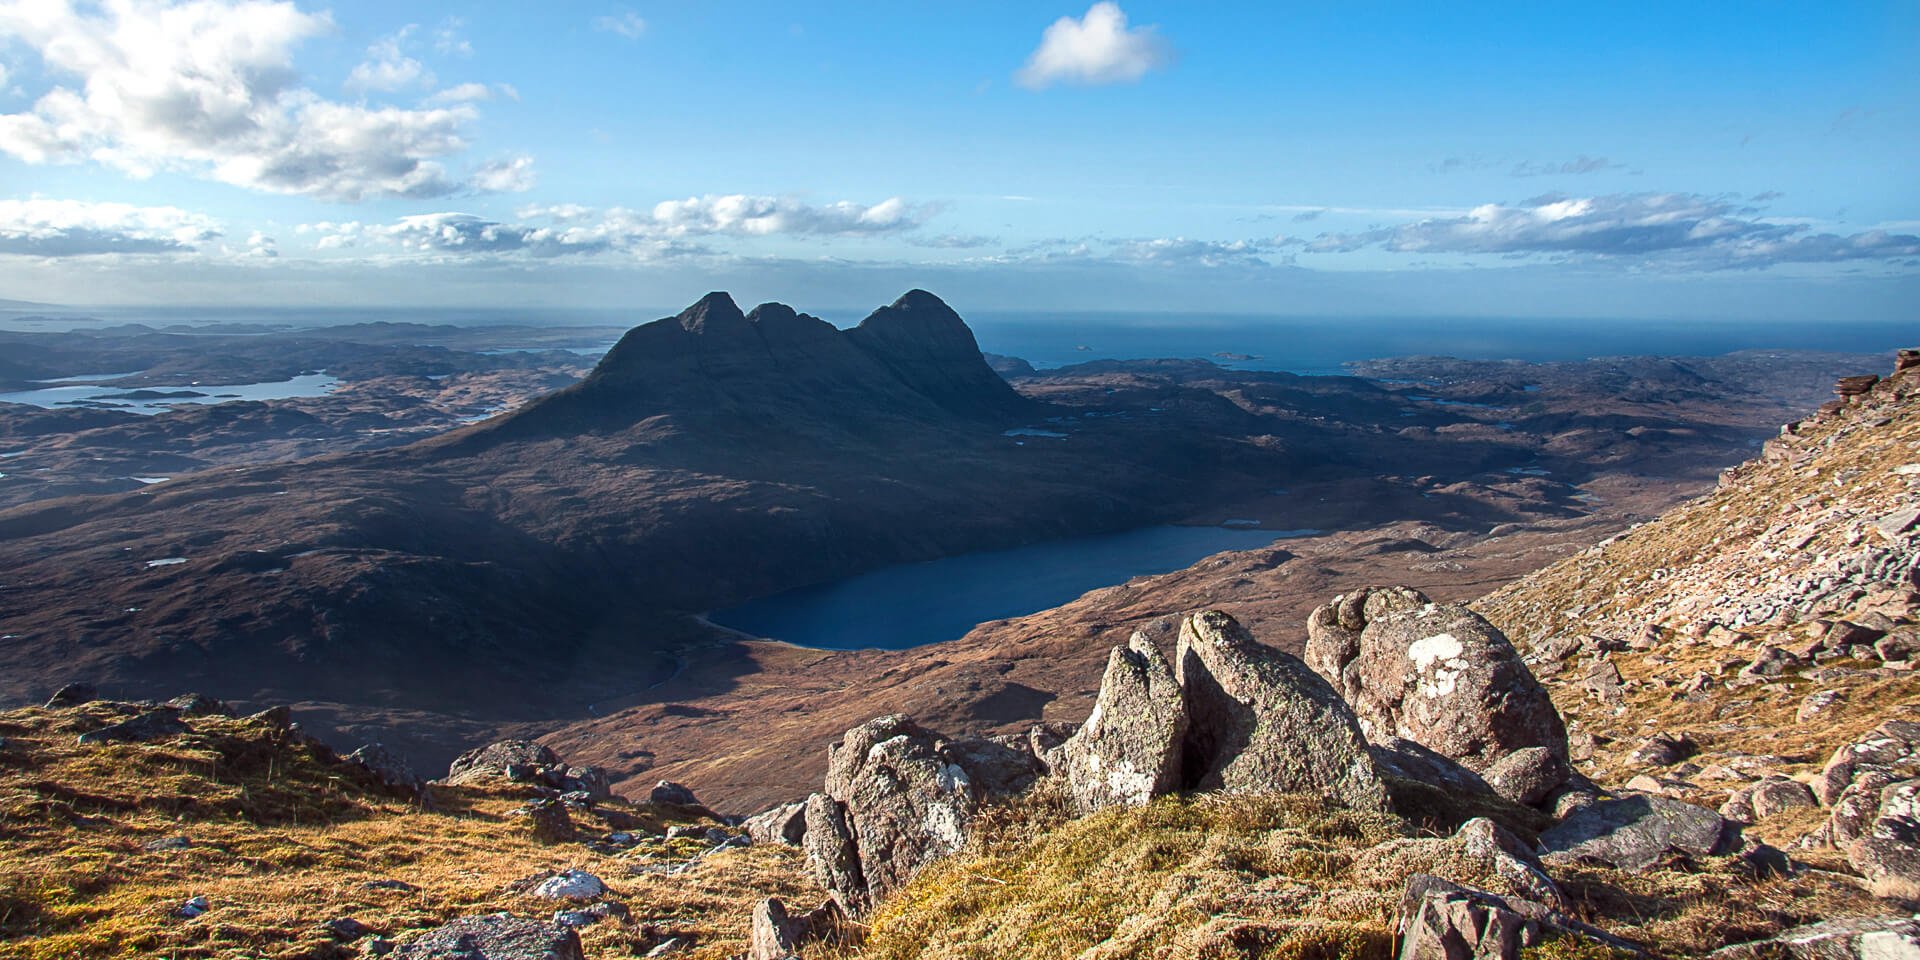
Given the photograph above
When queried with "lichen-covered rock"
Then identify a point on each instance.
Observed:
(1528, 776)
(72, 695)
(832, 856)
(1634, 833)
(1129, 749)
(496, 936)
(1260, 721)
(1511, 859)
(907, 801)
(1847, 938)
(1888, 854)
(548, 819)
(786, 823)
(1437, 674)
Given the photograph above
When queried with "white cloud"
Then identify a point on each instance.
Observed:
(1180, 251)
(625, 23)
(387, 66)
(447, 39)
(66, 228)
(208, 87)
(748, 215)
(572, 230)
(1675, 229)
(1098, 48)
(512, 175)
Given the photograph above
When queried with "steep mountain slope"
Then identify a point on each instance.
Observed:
(1746, 635)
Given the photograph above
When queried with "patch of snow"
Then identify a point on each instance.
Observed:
(166, 562)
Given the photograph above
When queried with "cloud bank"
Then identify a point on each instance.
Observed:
(1669, 229)
(70, 228)
(208, 87)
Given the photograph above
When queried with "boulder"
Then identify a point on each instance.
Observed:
(198, 705)
(570, 885)
(72, 695)
(1635, 833)
(1528, 776)
(1888, 853)
(1440, 920)
(1893, 748)
(1758, 801)
(519, 761)
(777, 933)
(1662, 750)
(832, 856)
(496, 936)
(152, 725)
(1847, 938)
(1401, 759)
(1260, 721)
(1437, 674)
(386, 767)
(1129, 749)
(786, 823)
(666, 791)
(908, 801)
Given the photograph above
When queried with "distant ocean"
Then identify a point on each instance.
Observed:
(1307, 345)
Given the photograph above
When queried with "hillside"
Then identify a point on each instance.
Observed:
(1761, 625)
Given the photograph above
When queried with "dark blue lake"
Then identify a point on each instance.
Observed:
(919, 603)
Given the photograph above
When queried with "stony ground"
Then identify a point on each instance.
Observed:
(101, 847)
(1752, 632)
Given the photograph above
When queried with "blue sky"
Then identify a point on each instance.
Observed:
(1684, 160)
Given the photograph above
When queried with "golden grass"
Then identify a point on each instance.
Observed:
(1274, 877)
(285, 839)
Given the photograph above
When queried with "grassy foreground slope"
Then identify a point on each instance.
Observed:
(283, 838)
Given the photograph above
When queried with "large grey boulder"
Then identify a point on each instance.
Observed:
(519, 761)
(1637, 832)
(832, 856)
(896, 798)
(1442, 676)
(1847, 938)
(1888, 853)
(1260, 721)
(1129, 749)
(786, 823)
(497, 936)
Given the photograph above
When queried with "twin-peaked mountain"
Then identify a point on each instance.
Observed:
(912, 360)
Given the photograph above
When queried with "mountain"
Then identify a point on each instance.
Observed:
(914, 360)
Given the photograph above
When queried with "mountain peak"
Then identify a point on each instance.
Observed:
(715, 310)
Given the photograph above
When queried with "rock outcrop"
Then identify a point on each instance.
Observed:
(527, 762)
(497, 936)
(1443, 677)
(1637, 832)
(1129, 749)
(896, 798)
(1260, 721)
(1846, 938)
